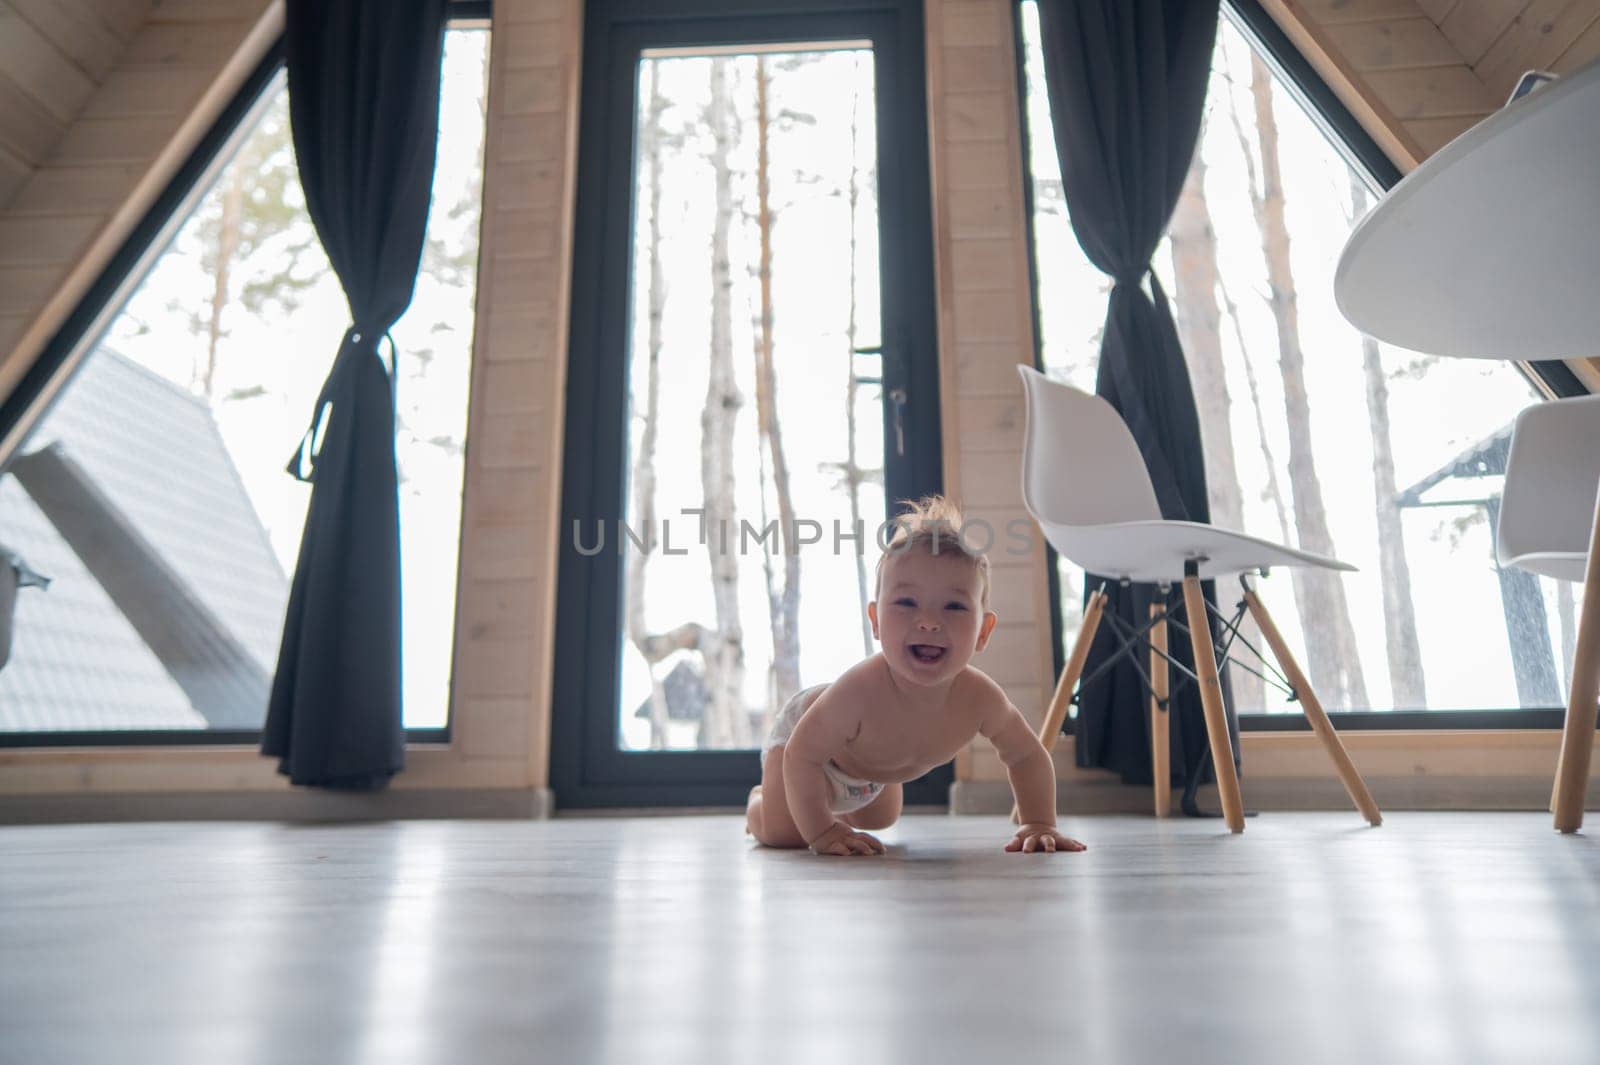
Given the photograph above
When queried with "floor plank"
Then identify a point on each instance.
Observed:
(1310, 938)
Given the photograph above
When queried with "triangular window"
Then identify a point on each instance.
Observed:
(153, 494)
(1314, 436)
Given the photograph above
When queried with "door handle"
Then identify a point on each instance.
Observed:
(897, 396)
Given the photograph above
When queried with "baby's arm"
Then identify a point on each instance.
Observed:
(820, 733)
(1032, 773)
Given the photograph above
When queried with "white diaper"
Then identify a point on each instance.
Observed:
(846, 793)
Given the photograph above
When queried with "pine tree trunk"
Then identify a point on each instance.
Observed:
(229, 234)
(852, 466)
(644, 466)
(1274, 491)
(1399, 616)
(1331, 650)
(1194, 268)
(1195, 279)
(784, 607)
(726, 723)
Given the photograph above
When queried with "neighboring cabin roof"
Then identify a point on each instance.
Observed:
(685, 689)
(1485, 458)
(156, 451)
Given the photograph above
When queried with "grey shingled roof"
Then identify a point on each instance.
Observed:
(156, 451)
(686, 692)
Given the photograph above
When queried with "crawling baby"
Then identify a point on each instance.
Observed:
(838, 753)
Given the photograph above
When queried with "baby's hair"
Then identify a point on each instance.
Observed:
(933, 523)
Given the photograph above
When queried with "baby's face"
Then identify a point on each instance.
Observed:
(928, 615)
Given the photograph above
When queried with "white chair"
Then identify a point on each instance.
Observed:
(1085, 483)
(1547, 523)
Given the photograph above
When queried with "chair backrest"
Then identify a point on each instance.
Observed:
(1552, 473)
(1080, 464)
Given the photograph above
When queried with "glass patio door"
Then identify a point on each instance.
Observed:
(752, 380)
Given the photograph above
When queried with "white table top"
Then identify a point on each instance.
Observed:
(1491, 248)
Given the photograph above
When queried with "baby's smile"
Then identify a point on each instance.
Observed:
(927, 652)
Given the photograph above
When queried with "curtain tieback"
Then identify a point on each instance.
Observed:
(1133, 277)
(357, 341)
(1158, 295)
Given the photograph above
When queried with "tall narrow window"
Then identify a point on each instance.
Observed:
(759, 414)
(1314, 435)
(758, 381)
(153, 495)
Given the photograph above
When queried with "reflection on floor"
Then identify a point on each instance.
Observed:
(1310, 938)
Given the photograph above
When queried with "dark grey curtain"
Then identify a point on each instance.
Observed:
(1127, 85)
(364, 108)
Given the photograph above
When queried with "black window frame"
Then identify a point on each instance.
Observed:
(68, 345)
(587, 768)
(1348, 137)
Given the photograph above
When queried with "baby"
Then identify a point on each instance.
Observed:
(839, 752)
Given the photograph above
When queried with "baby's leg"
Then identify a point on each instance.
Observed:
(880, 812)
(767, 813)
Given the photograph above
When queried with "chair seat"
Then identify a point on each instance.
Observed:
(1559, 565)
(1154, 552)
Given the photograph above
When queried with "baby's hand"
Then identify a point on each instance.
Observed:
(843, 840)
(1034, 838)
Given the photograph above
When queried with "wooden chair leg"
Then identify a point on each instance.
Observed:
(1205, 662)
(1577, 735)
(1160, 733)
(1353, 784)
(1555, 785)
(1059, 702)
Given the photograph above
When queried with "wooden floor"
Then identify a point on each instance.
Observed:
(1437, 938)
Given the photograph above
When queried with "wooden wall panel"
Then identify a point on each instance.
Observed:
(1584, 49)
(195, 11)
(22, 287)
(145, 90)
(986, 329)
(1334, 12)
(163, 45)
(505, 621)
(1431, 134)
(1432, 92)
(1311, 26)
(1475, 25)
(56, 57)
(11, 328)
(126, 16)
(76, 30)
(1544, 32)
(54, 54)
(39, 68)
(1417, 73)
(14, 171)
(1393, 44)
(27, 129)
(1500, 39)
(88, 188)
(44, 241)
(117, 150)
